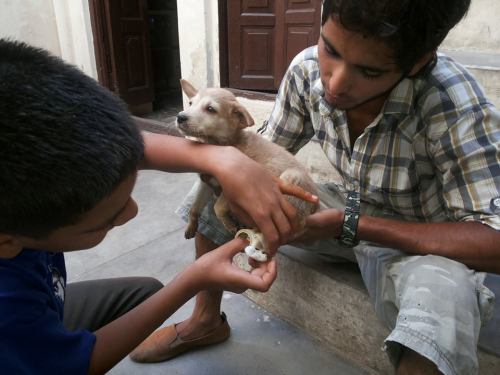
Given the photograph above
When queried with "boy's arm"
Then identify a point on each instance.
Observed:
(471, 243)
(214, 270)
(252, 191)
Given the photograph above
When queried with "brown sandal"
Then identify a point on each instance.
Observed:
(165, 343)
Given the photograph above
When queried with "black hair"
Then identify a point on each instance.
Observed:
(411, 28)
(66, 142)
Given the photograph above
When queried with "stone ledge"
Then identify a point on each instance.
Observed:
(329, 302)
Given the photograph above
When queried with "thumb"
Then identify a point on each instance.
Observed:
(234, 246)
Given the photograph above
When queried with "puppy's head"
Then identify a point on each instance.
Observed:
(213, 116)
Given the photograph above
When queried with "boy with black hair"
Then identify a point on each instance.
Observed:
(415, 152)
(69, 154)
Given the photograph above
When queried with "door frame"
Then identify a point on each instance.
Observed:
(101, 43)
(223, 48)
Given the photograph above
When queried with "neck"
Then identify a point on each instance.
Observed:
(369, 109)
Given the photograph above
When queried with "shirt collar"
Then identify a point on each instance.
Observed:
(399, 101)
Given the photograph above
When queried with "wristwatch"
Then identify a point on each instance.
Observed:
(351, 218)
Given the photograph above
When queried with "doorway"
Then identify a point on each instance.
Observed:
(137, 53)
(277, 29)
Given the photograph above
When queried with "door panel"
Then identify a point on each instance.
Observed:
(251, 43)
(130, 50)
(264, 36)
(302, 25)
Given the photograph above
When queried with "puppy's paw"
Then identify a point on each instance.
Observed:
(230, 225)
(190, 231)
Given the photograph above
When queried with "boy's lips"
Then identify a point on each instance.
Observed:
(337, 100)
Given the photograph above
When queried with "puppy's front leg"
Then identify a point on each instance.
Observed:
(223, 213)
(203, 195)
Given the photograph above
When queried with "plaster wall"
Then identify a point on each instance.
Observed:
(60, 26)
(32, 22)
(479, 30)
(199, 42)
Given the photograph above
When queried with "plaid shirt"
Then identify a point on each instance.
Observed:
(432, 154)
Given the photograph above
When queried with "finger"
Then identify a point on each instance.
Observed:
(262, 278)
(271, 274)
(271, 233)
(291, 214)
(241, 216)
(295, 190)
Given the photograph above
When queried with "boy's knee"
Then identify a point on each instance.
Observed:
(433, 271)
(150, 285)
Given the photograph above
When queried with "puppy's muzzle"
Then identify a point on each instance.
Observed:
(182, 120)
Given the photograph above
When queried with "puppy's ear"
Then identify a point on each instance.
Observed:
(188, 88)
(244, 117)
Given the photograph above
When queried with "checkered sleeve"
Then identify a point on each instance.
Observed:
(467, 158)
(289, 124)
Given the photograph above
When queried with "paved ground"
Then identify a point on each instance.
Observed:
(152, 244)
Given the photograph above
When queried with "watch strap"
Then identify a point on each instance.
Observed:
(351, 218)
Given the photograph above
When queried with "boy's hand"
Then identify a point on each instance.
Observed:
(216, 270)
(323, 224)
(284, 186)
(295, 190)
(255, 198)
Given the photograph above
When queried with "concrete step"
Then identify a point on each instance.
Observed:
(329, 302)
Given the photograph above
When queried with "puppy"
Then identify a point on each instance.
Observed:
(216, 117)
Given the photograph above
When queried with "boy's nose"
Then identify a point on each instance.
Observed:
(339, 81)
(127, 214)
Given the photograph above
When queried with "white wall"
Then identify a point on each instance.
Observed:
(199, 41)
(479, 30)
(32, 22)
(59, 26)
(75, 34)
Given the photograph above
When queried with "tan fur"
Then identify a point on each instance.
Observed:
(215, 116)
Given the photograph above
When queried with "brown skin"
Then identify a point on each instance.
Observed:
(343, 57)
(356, 73)
(215, 271)
(262, 206)
(212, 273)
(471, 243)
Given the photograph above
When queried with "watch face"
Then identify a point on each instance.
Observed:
(495, 205)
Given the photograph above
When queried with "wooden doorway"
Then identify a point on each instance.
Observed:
(137, 50)
(262, 37)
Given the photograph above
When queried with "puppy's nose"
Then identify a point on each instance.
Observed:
(181, 118)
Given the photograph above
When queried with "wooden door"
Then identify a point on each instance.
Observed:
(264, 36)
(121, 39)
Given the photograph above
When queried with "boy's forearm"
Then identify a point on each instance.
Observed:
(175, 154)
(120, 337)
(471, 243)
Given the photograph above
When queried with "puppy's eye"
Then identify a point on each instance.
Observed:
(211, 109)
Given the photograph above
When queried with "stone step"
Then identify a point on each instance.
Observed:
(329, 302)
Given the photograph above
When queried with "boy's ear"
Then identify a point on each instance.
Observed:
(421, 63)
(188, 88)
(244, 117)
(10, 246)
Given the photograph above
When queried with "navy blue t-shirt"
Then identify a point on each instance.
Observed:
(33, 339)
